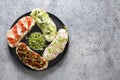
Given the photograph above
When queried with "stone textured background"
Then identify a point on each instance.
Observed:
(94, 32)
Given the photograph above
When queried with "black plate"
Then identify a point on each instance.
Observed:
(59, 25)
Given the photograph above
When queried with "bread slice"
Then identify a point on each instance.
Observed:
(19, 30)
(45, 23)
(30, 58)
(57, 45)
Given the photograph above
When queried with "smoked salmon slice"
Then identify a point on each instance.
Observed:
(19, 30)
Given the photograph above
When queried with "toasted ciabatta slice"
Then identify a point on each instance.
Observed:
(30, 58)
(19, 30)
(57, 45)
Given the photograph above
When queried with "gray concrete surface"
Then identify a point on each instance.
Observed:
(94, 32)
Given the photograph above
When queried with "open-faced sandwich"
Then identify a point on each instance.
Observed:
(30, 58)
(45, 23)
(19, 30)
(57, 45)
